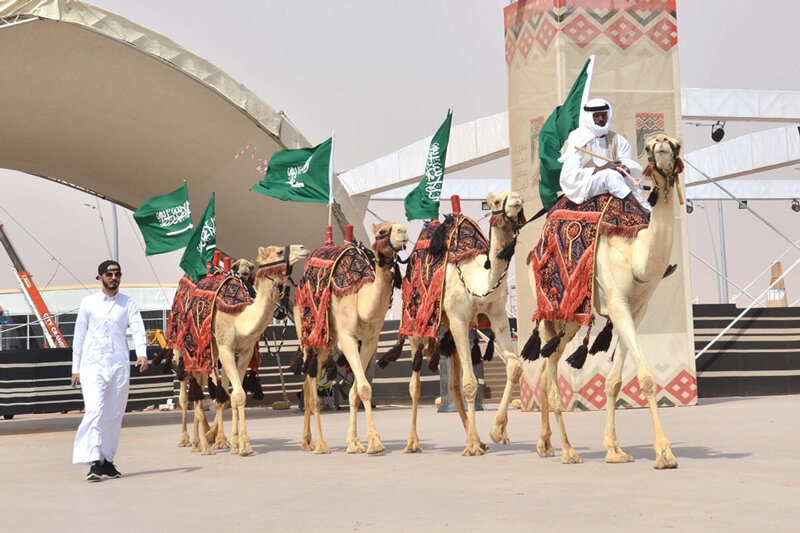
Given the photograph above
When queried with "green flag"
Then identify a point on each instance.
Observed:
(301, 175)
(165, 221)
(200, 249)
(423, 202)
(555, 131)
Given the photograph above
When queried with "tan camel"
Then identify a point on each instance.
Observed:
(627, 272)
(471, 290)
(355, 323)
(238, 334)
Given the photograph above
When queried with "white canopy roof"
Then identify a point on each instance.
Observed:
(98, 102)
(740, 104)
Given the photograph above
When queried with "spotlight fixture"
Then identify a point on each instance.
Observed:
(717, 131)
(742, 204)
(795, 205)
(690, 206)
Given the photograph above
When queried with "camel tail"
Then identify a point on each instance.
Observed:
(393, 354)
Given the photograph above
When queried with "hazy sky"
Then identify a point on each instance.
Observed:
(382, 75)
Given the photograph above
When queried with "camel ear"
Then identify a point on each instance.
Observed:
(490, 199)
(678, 145)
(648, 146)
(262, 251)
(375, 228)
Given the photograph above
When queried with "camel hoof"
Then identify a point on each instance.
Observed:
(221, 445)
(617, 456)
(321, 447)
(244, 452)
(476, 448)
(499, 435)
(665, 461)
(207, 451)
(184, 442)
(544, 448)
(570, 456)
(376, 448)
(412, 447)
(356, 447)
(307, 444)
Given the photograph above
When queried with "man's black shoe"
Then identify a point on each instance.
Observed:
(110, 471)
(95, 472)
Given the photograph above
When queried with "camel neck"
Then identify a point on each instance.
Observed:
(656, 240)
(500, 236)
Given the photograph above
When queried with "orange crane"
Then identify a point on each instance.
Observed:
(52, 335)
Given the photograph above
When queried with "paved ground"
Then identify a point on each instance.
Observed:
(738, 471)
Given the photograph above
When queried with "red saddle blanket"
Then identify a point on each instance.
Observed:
(340, 270)
(423, 283)
(563, 261)
(189, 324)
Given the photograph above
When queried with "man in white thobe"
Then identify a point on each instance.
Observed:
(584, 176)
(101, 364)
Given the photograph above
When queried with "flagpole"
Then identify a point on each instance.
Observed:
(329, 229)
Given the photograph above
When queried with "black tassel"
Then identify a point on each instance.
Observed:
(433, 360)
(530, 352)
(439, 238)
(296, 366)
(180, 371)
(488, 355)
(393, 354)
(282, 309)
(330, 368)
(476, 352)
(551, 345)
(603, 341)
(447, 346)
(416, 362)
(246, 381)
(158, 358)
(212, 388)
(397, 277)
(168, 361)
(310, 362)
(488, 264)
(652, 198)
(341, 359)
(508, 250)
(221, 394)
(578, 358)
(195, 392)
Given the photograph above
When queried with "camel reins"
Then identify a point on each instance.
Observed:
(285, 260)
(671, 180)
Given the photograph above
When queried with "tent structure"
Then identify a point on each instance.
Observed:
(102, 104)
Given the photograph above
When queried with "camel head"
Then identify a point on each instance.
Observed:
(244, 268)
(389, 237)
(277, 260)
(665, 164)
(506, 208)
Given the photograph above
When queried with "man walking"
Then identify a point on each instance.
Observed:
(101, 364)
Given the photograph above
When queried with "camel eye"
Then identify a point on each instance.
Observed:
(280, 253)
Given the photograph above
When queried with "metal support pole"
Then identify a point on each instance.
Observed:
(115, 226)
(724, 262)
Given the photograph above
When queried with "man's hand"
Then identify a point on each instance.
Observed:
(611, 164)
(142, 364)
(75, 381)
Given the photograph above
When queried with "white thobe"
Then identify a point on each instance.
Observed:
(579, 183)
(100, 354)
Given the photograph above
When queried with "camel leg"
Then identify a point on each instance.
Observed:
(240, 441)
(322, 446)
(413, 390)
(460, 331)
(502, 333)
(568, 453)
(614, 453)
(183, 401)
(307, 442)
(354, 445)
(200, 421)
(374, 444)
(217, 433)
(361, 391)
(544, 446)
(626, 328)
(454, 388)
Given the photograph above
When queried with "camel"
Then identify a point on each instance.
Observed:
(235, 334)
(355, 323)
(627, 272)
(470, 289)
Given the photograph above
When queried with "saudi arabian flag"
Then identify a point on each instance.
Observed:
(165, 221)
(423, 202)
(555, 131)
(200, 249)
(301, 175)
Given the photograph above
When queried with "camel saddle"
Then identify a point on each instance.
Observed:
(341, 270)
(563, 261)
(189, 324)
(455, 240)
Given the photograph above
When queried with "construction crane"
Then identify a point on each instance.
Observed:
(52, 335)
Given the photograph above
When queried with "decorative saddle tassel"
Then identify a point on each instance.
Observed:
(552, 345)
(578, 358)
(212, 388)
(255, 386)
(221, 395)
(416, 362)
(310, 362)
(195, 392)
(447, 345)
(180, 370)
(393, 354)
(433, 360)
(168, 362)
(603, 341)
(530, 352)
(476, 352)
(330, 368)
(488, 355)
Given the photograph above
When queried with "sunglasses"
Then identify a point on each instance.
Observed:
(112, 274)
